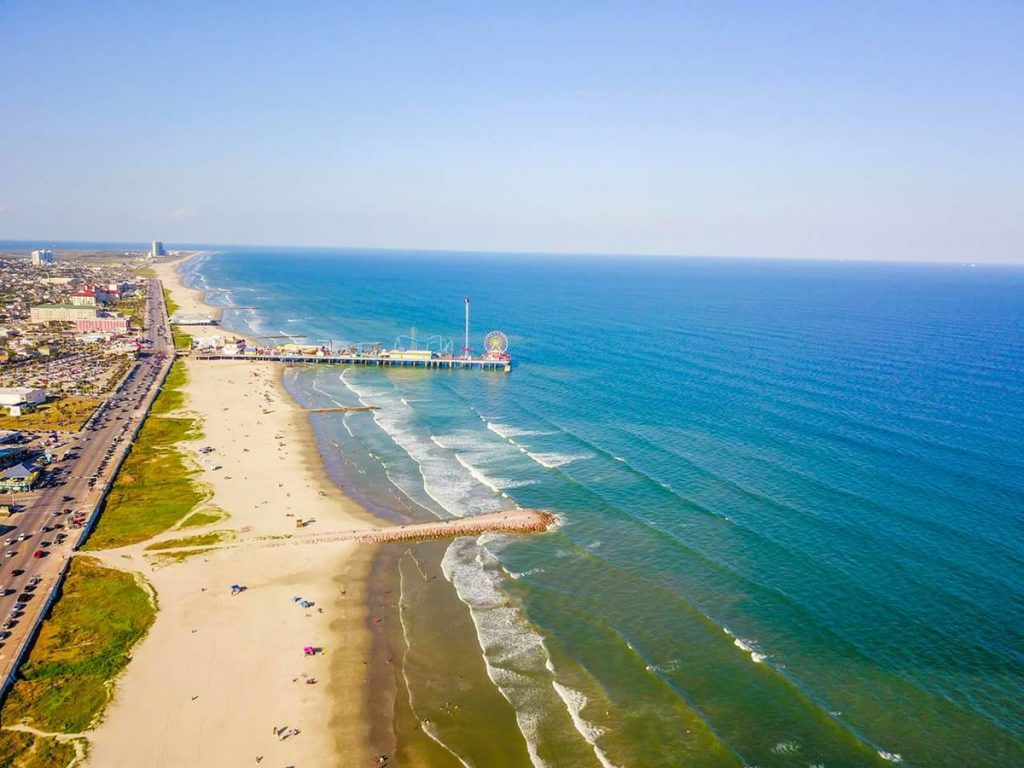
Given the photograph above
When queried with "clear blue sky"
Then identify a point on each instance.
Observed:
(886, 130)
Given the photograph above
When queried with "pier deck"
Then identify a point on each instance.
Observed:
(449, 363)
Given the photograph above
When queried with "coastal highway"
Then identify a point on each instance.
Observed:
(86, 463)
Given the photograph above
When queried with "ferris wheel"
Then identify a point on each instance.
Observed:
(495, 344)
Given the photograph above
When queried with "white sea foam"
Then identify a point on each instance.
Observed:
(424, 724)
(556, 460)
(786, 748)
(509, 645)
(575, 701)
(479, 475)
(892, 757)
(496, 484)
(746, 645)
(515, 656)
(328, 395)
(444, 480)
(528, 572)
(663, 669)
(510, 433)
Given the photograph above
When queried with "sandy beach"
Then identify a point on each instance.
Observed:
(222, 678)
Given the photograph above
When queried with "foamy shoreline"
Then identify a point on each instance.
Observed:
(218, 672)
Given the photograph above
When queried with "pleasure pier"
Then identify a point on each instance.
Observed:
(408, 351)
(386, 358)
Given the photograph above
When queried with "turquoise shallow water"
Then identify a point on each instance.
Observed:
(792, 493)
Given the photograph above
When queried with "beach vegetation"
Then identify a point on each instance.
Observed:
(66, 414)
(160, 559)
(205, 516)
(181, 339)
(20, 749)
(172, 305)
(156, 486)
(82, 646)
(172, 395)
(199, 540)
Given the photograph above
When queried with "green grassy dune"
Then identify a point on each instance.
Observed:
(83, 645)
(155, 487)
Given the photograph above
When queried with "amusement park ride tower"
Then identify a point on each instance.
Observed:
(466, 351)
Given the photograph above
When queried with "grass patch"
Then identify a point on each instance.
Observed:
(172, 305)
(67, 414)
(135, 309)
(171, 397)
(206, 516)
(168, 558)
(200, 540)
(100, 614)
(181, 339)
(23, 750)
(155, 488)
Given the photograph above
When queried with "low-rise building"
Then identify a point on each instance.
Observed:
(83, 299)
(105, 322)
(16, 395)
(61, 313)
(10, 455)
(20, 478)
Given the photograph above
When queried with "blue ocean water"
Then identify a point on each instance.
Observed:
(792, 494)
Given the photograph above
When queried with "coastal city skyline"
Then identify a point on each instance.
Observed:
(795, 130)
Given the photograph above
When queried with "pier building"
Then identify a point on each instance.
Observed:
(435, 353)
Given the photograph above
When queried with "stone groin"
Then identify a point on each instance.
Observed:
(342, 409)
(511, 521)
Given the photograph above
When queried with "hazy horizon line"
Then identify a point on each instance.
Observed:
(7, 243)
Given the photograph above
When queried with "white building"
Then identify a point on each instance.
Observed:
(19, 395)
(157, 250)
(84, 299)
(61, 313)
(42, 257)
